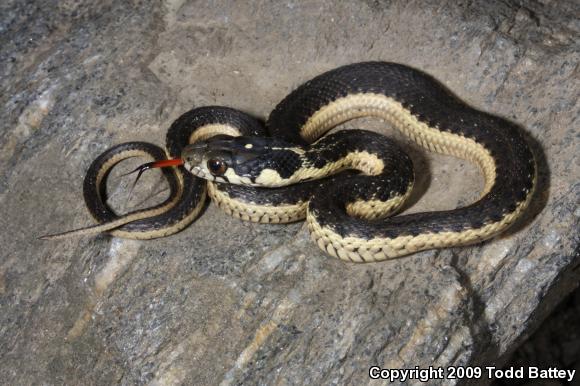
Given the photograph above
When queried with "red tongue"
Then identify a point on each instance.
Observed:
(166, 162)
(156, 164)
(152, 165)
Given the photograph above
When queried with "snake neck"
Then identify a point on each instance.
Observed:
(367, 152)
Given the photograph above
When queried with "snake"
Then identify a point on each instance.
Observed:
(349, 185)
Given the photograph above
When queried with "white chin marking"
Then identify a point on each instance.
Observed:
(196, 171)
(269, 177)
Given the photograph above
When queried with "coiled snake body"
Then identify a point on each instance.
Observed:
(346, 183)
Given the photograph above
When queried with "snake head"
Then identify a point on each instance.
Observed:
(236, 160)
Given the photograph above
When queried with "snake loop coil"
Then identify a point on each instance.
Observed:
(345, 184)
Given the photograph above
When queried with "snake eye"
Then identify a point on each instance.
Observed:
(217, 167)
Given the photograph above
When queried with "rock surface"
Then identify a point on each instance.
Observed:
(556, 344)
(227, 302)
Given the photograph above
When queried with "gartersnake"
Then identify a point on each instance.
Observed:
(346, 183)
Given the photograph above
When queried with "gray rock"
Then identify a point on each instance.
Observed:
(556, 343)
(227, 302)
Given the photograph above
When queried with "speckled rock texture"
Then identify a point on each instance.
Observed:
(228, 302)
(555, 344)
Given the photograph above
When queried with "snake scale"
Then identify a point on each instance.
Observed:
(347, 184)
